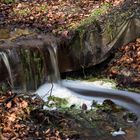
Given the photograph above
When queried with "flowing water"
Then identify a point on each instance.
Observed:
(4, 57)
(32, 72)
(26, 68)
(89, 91)
(55, 76)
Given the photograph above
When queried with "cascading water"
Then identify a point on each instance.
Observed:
(55, 76)
(4, 57)
(28, 68)
(25, 66)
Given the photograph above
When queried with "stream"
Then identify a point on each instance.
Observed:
(31, 75)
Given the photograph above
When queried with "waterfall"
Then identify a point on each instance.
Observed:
(55, 74)
(4, 57)
(28, 68)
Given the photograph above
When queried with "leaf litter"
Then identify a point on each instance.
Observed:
(125, 67)
(57, 16)
(23, 118)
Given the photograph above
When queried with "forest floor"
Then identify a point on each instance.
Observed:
(23, 118)
(125, 66)
(57, 16)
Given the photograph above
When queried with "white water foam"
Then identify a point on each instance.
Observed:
(58, 91)
(73, 98)
(78, 93)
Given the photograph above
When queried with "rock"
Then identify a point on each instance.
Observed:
(84, 106)
(117, 133)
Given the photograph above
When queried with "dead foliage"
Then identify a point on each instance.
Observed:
(126, 65)
(51, 15)
(21, 118)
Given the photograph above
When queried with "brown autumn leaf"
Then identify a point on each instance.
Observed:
(23, 104)
(113, 71)
(8, 105)
(128, 61)
(138, 40)
(17, 126)
(12, 117)
(6, 129)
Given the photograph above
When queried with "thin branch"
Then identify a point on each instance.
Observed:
(50, 90)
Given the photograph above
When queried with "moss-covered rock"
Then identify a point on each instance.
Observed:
(104, 30)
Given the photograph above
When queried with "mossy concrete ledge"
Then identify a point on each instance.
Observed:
(100, 34)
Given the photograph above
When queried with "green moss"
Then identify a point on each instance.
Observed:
(92, 19)
(94, 16)
(23, 12)
(109, 31)
(43, 7)
(56, 102)
(8, 1)
(4, 34)
(92, 79)
(4, 87)
(133, 89)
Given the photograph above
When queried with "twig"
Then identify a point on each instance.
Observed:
(50, 90)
